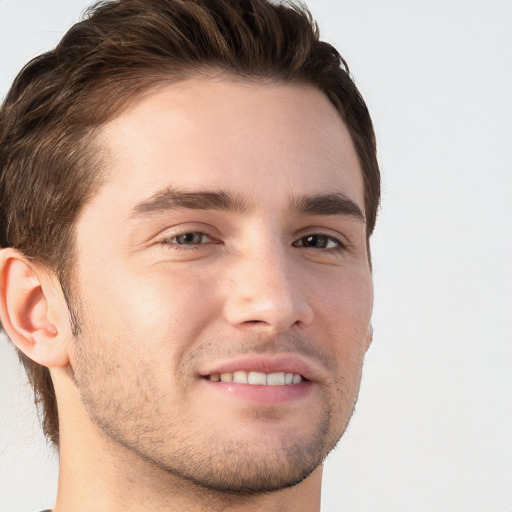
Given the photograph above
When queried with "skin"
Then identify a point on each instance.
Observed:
(141, 426)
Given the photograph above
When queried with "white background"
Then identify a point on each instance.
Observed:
(433, 426)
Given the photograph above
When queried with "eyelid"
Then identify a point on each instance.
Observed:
(330, 233)
(340, 245)
(168, 234)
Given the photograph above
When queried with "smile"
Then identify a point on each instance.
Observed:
(257, 378)
(270, 379)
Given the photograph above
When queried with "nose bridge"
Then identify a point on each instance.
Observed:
(265, 289)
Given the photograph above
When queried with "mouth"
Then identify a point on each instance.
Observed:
(257, 378)
(267, 379)
(276, 369)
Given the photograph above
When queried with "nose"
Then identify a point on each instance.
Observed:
(267, 293)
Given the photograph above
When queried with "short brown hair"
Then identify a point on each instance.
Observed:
(119, 49)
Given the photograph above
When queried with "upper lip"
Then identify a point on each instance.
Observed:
(267, 363)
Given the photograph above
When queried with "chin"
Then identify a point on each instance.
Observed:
(248, 467)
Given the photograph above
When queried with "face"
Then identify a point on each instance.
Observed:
(222, 283)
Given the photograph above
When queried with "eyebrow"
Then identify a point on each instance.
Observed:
(317, 204)
(169, 199)
(326, 204)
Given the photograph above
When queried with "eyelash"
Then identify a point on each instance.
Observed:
(170, 242)
(340, 246)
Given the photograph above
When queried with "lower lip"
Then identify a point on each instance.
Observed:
(265, 395)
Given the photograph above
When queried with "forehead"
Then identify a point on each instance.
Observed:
(258, 139)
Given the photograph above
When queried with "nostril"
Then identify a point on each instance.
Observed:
(248, 324)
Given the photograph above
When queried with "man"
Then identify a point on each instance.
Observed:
(188, 190)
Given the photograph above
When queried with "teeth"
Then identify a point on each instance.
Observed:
(257, 378)
(275, 379)
(240, 377)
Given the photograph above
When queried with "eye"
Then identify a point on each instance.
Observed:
(318, 241)
(192, 238)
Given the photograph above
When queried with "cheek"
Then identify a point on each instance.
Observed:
(345, 301)
(135, 332)
(343, 314)
(150, 308)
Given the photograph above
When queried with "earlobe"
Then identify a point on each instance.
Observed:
(25, 291)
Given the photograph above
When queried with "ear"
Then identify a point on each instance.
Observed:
(33, 309)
